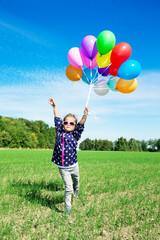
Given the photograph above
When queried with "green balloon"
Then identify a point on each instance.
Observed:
(105, 42)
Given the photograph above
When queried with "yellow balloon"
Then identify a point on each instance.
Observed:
(126, 86)
(73, 73)
(103, 60)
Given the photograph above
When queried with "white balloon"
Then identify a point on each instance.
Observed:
(101, 88)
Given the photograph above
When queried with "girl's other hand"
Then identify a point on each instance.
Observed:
(52, 102)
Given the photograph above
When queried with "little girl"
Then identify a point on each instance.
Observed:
(65, 154)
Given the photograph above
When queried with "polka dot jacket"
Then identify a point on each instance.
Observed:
(65, 153)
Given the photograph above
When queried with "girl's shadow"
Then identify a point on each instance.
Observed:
(32, 191)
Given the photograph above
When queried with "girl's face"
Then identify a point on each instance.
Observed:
(69, 124)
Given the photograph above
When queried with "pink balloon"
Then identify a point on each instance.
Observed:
(90, 63)
(76, 57)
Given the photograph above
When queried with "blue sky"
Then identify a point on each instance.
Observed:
(35, 37)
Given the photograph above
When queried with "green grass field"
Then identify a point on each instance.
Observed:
(119, 196)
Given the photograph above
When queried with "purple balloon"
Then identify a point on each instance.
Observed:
(89, 46)
(104, 71)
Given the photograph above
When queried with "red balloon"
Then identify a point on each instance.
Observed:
(120, 53)
(113, 69)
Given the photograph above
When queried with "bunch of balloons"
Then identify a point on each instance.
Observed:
(107, 66)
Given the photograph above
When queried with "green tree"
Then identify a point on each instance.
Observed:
(34, 139)
(41, 141)
(5, 138)
(26, 134)
(51, 137)
(96, 145)
(12, 130)
(139, 145)
(151, 145)
(107, 145)
(2, 125)
(144, 146)
(121, 144)
(158, 145)
(100, 144)
(133, 145)
(92, 145)
(86, 144)
(82, 146)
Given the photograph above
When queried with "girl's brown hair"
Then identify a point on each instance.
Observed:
(70, 115)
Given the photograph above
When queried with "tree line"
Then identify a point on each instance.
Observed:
(121, 145)
(22, 133)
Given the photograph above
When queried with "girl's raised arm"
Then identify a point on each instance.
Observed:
(84, 117)
(55, 108)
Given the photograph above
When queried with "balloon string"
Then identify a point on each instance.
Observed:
(101, 73)
(95, 75)
(91, 85)
(85, 75)
(94, 79)
(89, 94)
(91, 71)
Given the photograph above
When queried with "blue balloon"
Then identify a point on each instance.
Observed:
(129, 70)
(90, 75)
(112, 82)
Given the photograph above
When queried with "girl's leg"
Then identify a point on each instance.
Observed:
(66, 176)
(75, 177)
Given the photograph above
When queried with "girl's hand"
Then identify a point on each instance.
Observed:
(52, 102)
(86, 111)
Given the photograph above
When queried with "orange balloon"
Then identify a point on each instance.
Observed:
(126, 86)
(73, 73)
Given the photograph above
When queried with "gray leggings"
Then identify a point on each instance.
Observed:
(68, 175)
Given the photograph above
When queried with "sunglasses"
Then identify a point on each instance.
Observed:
(71, 123)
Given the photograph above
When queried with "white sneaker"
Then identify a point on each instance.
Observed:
(75, 193)
(66, 212)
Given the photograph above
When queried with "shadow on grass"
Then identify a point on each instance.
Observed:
(32, 191)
